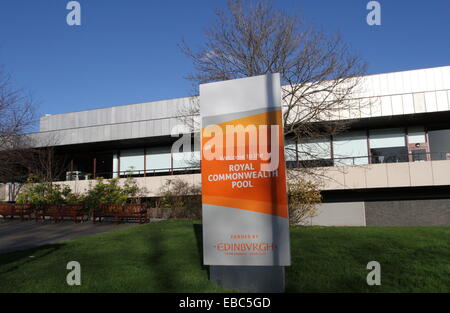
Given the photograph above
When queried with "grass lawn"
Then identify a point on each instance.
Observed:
(165, 257)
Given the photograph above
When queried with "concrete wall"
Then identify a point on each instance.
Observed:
(408, 174)
(430, 212)
(413, 174)
(434, 212)
(408, 92)
(340, 214)
(141, 120)
(151, 185)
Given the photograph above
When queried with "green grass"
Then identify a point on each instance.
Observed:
(334, 259)
(166, 257)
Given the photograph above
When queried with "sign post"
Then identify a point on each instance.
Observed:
(245, 207)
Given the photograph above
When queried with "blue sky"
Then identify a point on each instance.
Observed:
(126, 51)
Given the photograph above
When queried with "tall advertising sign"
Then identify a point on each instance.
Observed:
(245, 208)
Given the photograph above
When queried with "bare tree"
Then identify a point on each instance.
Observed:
(16, 118)
(16, 112)
(319, 72)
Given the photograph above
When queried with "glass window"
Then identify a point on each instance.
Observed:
(158, 159)
(416, 135)
(290, 153)
(290, 150)
(131, 161)
(185, 160)
(388, 145)
(440, 144)
(115, 165)
(386, 138)
(314, 149)
(350, 149)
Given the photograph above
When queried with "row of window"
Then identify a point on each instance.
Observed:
(350, 148)
(360, 147)
(156, 159)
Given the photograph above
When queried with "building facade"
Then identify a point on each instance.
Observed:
(391, 167)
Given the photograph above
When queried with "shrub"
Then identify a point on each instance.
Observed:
(303, 199)
(39, 194)
(179, 199)
(110, 192)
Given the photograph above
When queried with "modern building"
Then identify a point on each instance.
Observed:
(392, 166)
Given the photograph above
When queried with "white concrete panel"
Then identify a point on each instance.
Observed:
(430, 102)
(355, 177)
(408, 103)
(438, 79)
(407, 83)
(415, 81)
(442, 101)
(376, 175)
(366, 110)
(391, 84)
(376, 105)
(107, 132)
(371, 85)
(440, 172)
(397, 105)
(344, 114)
(375, 85)
(134, 130)
(398, 175)
(421, 173)
(142, 129)
(384, 85)
(445, 77)
(419, 102)
(157, 124)
(340, 214)
(165, 126)
(386, 106)
(429, 79)
(397, 84)
(126, 130)
(150, 127)
(448, 98)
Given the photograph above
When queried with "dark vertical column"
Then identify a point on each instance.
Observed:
(145, 162)
(118, 163)
(171, 162)
(427, 141)
(332, 150)
(94, 166)
(369, 156)
(409, 154)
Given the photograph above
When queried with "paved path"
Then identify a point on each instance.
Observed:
(17, 235)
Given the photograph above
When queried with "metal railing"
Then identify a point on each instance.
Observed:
(134, 173)
(339, 161)
(372, 159)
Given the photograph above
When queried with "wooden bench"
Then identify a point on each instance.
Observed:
(20, 210)
(50, 210)
(120, 212)
(60, 211)
(104, 211)
(137, 212)
(73, 211)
